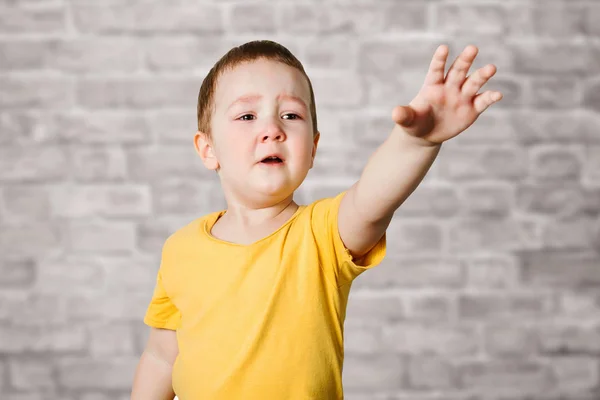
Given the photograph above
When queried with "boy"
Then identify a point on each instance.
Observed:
(250, 301)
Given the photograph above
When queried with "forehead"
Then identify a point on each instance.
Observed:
(269, 78)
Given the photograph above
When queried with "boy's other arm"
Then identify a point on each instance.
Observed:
(392, 173)
(152, 379)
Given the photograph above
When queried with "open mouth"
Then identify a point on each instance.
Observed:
(272, 160)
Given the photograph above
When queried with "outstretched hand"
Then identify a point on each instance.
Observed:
(444, 107)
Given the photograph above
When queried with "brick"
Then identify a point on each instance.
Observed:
(110, 374)
(591, 168)
(477, 162)
(431, 373)
(481, 19)
(580, 304)
(81, 274)
(554, 93)
(101, 237)
(27, 128)
(553, 20)
(26, 203)
(115, 306)
(180, 196)
(562, 339)
(252, 19)
(140, 16)
(365, 132)
(99, 163)
(494, 126)
(338, 18)
(48, 93)
(32, 309)
(339, 163)
(374, 372)
(17, 273)
(362, 339)
(553, 162)
(592, 14)
(153, 232)
(479, 234)
(555, 57)
(40, 339)
(576, 374)
(333, 90)
(505, 377)
(510, 340)
(513, 89)
(123, 274)
(415, 272)
(492, 271)
(573, 269)
(407, 17)
(173, 127)
(103, 127)
(141, 93)
(381, 308)
(71, 55)
(569, 234)
(430, 307)
(326, 54)
(146, 163)
(504, 307)
(567, 127)
(49, 18)
(414, 236)
(111, 339)
(15, 240)
(386, 90)
(430, 201)
(129, 200)
(486, 200)
(43, 164)
(431, 339)
(591, 99)
(182, 53)
(30, 373)
(555, 198)
(388, 57)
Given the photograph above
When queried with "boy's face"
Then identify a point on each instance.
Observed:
(266, 120)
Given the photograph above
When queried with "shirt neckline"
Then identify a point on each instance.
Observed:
(210, 222)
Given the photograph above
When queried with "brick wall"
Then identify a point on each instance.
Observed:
(491, 287)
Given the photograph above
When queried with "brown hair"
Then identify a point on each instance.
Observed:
(250, 51)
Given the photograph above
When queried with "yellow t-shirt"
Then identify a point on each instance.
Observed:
(261, 321)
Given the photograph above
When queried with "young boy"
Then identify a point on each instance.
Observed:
(250, 301)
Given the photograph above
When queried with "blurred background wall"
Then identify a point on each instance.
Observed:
(491, 286)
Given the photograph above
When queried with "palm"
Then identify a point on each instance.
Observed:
(446, 106)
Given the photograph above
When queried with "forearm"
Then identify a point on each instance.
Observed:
(392, 173)
(152, 380)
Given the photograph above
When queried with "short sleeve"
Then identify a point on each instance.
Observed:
(161, 312)
(334, 254)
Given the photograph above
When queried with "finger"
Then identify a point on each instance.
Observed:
(403, 115)
(483, 100)
(435, 74)
(475, 82)
(460, 67)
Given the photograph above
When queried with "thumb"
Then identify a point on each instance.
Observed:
(403, 115)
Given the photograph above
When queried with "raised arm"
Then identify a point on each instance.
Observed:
(443, 108)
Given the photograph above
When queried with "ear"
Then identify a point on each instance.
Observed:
(205, 150)
(314, 151)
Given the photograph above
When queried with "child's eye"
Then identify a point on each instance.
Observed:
(296, 116)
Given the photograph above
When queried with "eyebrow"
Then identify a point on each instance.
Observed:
(252, 97)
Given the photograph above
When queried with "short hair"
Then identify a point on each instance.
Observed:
(247, 52)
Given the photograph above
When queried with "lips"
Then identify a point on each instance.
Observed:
(273, 158)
